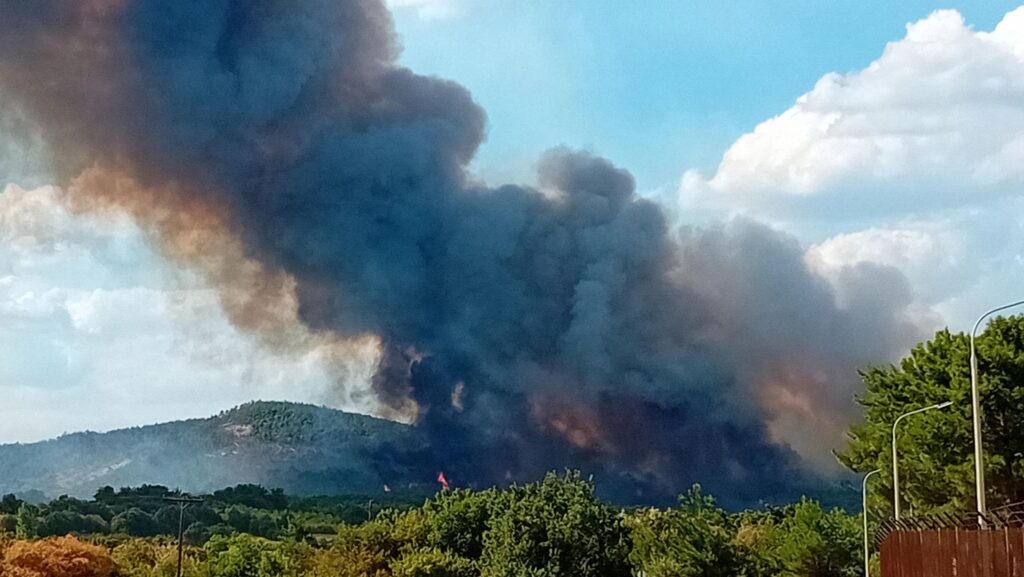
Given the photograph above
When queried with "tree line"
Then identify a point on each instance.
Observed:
(556, 526)
(142, 512)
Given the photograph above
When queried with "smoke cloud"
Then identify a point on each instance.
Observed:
(278, 147)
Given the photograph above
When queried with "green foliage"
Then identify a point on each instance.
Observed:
(254, 496)
(27, 522)
(8, 524)
(807, 541)
(149, 558)
(9, 504)
(555, 527)
(59, 523)
(142, 512)
(247, 556)
(433, 562)
(309, 449)
(135, 522)
(697, 539)
(936, 448)
(460, 518)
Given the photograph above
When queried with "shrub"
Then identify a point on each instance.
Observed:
(56, 557)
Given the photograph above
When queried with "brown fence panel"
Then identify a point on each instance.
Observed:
(953, 552)
(1015, 551)
(1001, 552)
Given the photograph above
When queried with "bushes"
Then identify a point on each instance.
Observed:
(700, 539)
(696, 539)
(554, 527)
(432, 562)
(8, 524)
(248, 556)
(57, 557)
(152, 558)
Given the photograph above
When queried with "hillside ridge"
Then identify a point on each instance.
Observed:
(303, 448)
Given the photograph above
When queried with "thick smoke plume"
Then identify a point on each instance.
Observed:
(278, 147)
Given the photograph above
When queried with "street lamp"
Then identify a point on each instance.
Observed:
(864, 509)
(979, 465)
(895, 463)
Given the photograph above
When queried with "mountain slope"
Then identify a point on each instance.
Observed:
(302, 448)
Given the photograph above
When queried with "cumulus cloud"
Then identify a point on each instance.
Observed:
(99, 332)
(931, 253)
(937, 119)
(915, 162)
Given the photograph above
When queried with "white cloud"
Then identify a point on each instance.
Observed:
(937, 119)
(914, 162)
(97, 331)
(927, 252)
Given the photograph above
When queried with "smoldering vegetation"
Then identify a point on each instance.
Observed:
(280, 149)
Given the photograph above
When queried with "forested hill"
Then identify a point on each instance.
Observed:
(302, 448)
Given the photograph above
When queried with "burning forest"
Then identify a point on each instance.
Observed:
(280, 150)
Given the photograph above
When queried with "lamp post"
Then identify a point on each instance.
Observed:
(979, 465)
(864, 513)
(895, 461)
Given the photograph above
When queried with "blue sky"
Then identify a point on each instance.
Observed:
(869, 142)
(657, 86)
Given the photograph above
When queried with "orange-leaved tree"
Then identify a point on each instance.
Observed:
(56, 557)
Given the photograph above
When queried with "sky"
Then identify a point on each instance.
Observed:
(872, 132)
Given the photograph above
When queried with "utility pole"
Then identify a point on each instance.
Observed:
(182, 501)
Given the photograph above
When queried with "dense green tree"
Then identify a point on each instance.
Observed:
(248, 556)
(203, 513)
(65, 503)
(8, 524)
(459, 519)
(238, 516)
(696, 539)
(105, 494)
(135, 522)
(197, 534)
(65, 522)
(27, 525)
(555, 527)
(806, 541)
(167, 518)
(935, 448)
(255, 496)
(10, 504)
(264, 526)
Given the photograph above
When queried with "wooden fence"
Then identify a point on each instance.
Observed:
(954, 552)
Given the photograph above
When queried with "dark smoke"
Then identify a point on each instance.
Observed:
(524, 330)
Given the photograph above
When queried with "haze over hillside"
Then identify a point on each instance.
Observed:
(302, 448)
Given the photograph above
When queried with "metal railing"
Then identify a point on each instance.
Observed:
(1011, 515)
